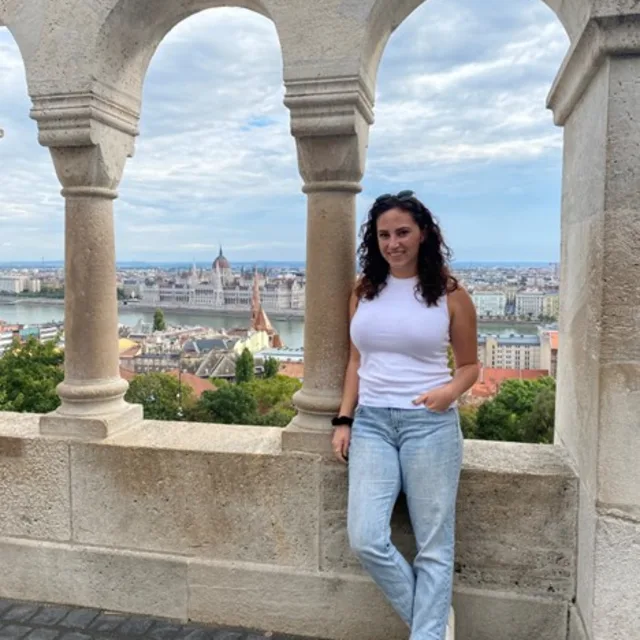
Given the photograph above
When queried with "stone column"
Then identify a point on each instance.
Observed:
(330, 121)
(89, 157)
(596, 97)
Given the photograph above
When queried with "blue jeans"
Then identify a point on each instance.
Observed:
(420, 452)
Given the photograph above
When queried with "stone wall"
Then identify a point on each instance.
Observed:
(216, 524)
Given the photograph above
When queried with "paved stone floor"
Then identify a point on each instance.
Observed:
(33, 621)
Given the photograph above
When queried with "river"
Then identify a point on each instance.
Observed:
(291, 331)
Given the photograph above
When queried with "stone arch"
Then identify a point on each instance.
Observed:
(134, 29)
(386, 17)
(20, 46)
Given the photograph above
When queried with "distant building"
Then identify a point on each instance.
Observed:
(6, 338)
(19, 284)
(549, 351)
(509, 352)
(222, 264)
(221, 289)
(551, 305)
(530, 304)
(489, 303)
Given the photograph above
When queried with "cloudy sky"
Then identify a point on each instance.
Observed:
(460, 119)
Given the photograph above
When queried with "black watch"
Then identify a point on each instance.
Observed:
(342, 420)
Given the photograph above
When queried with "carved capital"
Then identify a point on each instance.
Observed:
(90, 136)
(330, 120)
(602, 37)
(90, 171)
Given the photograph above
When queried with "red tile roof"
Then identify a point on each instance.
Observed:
(199, 385)
(292, 369)
(490, 379)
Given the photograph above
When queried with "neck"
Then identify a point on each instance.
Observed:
(406, 273)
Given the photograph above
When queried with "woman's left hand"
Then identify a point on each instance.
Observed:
(439, 399)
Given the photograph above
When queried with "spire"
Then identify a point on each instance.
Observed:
(220, 254)
(255, 299)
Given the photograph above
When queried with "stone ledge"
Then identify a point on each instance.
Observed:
(284, 600)
(135, 582)
(483, 455)
(156, 434)
(228, 492)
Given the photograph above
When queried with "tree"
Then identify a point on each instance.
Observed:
(161, 395)
(496, 422)
(523, 411)
(232, 404)
(271, 368)
(158, 320)
(538, 424)
(273, 393)
(29, 375)
(468, 421)
(245, 369)
(277, 418)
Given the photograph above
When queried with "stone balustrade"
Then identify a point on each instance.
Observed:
(218, 524)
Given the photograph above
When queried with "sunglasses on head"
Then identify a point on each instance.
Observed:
(407, 194)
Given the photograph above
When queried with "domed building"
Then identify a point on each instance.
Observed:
(224, 267)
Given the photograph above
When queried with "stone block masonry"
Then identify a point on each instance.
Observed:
(217, 524)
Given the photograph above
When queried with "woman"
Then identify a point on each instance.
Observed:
(405, 311)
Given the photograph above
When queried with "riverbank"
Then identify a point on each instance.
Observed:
(294, 315)
(288, 314)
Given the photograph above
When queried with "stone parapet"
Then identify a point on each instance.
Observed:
(217, 524)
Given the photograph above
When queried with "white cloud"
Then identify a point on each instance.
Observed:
(460, 118)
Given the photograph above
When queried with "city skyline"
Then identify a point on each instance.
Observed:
(460, 118)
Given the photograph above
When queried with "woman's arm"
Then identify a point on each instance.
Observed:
(464, 342)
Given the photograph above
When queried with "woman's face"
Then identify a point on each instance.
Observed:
(399, 239)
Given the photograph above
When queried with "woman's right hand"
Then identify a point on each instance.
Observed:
(340, 442)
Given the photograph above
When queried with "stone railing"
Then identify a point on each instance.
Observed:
(217, 524)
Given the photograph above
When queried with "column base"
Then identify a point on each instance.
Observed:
(90, 427)
(310, 430)
(297, 438)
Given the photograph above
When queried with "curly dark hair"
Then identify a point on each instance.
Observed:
(434, 275)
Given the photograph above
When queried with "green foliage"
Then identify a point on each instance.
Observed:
(538, 424)
(159, 323)
(523, 411)
(218, 383)
(468, 421)
(273, 393)
(451, 362)
(277, 417)
(271, 368)
(266, 401)
(245, 370)
(161, 395)
(232, 404)
(29, 375)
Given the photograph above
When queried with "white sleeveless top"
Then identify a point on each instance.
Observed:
(402, 344)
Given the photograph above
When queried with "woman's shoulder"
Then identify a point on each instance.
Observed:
(458, 298)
